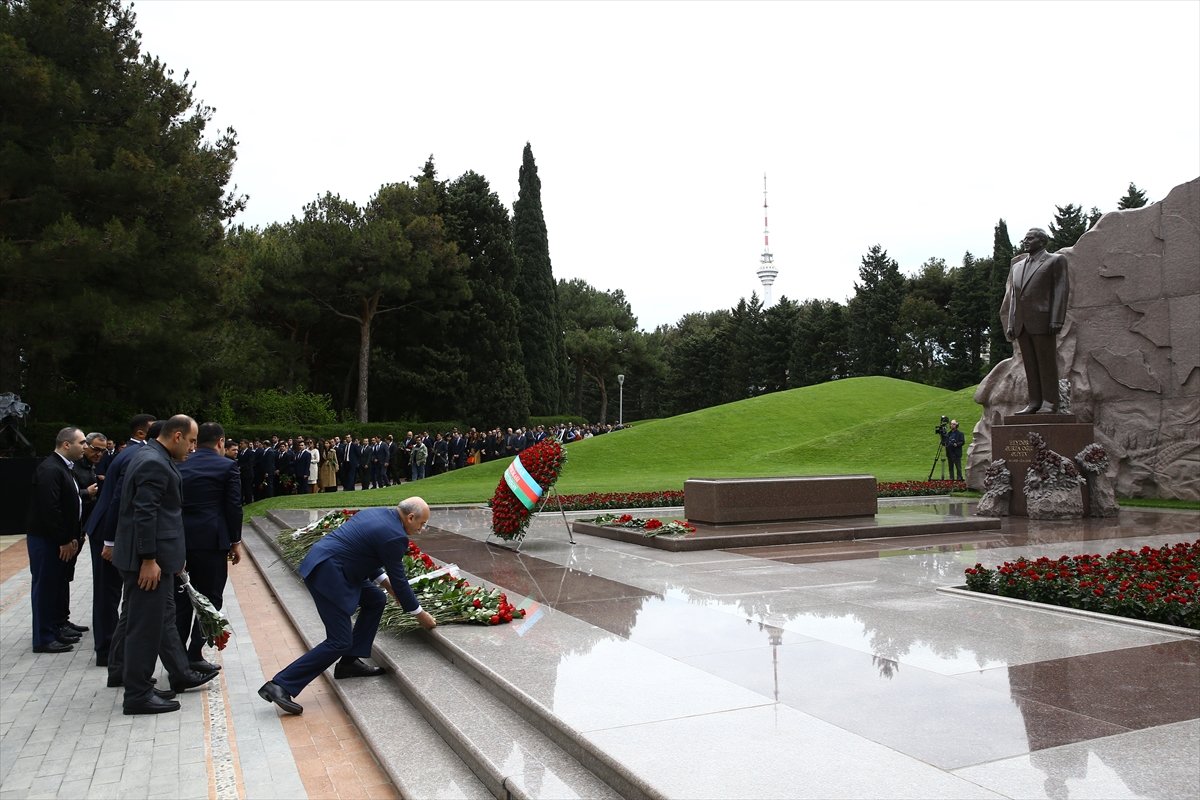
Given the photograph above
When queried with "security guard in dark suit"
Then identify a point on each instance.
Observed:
(212, 526)
(150, 548)
(53, 538)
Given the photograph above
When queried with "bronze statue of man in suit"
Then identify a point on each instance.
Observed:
(1034, 309)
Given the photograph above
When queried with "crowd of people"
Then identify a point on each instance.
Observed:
(303, 465)
(165, 498)
(163, 510)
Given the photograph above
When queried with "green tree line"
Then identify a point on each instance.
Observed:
(127, 288)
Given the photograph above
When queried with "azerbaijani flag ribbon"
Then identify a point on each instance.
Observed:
(522, 483)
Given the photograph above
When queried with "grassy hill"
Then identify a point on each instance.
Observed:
(879, 426)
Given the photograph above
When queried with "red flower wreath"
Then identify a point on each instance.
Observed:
(543, 461)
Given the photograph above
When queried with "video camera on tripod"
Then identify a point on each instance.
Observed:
(942, 430)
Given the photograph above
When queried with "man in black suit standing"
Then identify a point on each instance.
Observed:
(348, 462)
(150, 548)
(87, 478)
(101, 529)
(212, 525)
(266, 463)
(53, 538)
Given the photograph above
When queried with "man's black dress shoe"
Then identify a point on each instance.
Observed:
(152, 705)
(191, 679)
(76, 628)
(165, 694)
(203, 666)
(54, 647)
(65, 639)
(355, 668)
(272, 692)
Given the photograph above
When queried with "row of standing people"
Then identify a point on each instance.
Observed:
(301, 465)
(165, 499)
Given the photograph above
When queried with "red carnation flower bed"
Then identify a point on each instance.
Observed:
(544, 462)
(1156, 585)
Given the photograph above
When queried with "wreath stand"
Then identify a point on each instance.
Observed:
(519, 539)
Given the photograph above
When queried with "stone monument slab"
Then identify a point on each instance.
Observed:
(730, 501)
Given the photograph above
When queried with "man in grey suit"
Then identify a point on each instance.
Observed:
(1034, 310)
(149, 549)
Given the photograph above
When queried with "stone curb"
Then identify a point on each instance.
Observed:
(962, 591)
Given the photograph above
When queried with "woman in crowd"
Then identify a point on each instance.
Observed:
(327, 480)
(314, 466)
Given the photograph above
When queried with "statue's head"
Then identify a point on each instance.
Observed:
(1035, 239)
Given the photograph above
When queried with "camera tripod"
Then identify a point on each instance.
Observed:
(940, 448)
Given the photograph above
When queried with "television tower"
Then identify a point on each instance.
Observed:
(766, 262)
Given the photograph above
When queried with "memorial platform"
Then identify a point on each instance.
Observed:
(633, 661)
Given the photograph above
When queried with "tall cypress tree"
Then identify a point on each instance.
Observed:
(999, 348)
(540, 317)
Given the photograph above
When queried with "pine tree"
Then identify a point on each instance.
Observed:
(488, 335)
(540, 318)
(1134, 198)
(999, 348)
(875, 314)
(112, 208)
(1069, 224)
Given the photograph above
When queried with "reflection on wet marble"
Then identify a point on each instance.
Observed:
(1111, 685)
(1162, 762)
(774, 752)
(931, 717)
(841, 654)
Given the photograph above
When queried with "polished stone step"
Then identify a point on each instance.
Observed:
(510, 747)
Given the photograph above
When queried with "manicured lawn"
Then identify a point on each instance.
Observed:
(877, 426)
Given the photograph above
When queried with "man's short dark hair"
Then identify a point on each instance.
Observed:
(180, 422)
(141, 422)
(210, 433)
(67, 434)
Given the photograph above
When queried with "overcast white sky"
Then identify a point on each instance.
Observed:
(913, 125)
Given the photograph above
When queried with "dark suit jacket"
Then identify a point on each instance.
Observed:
(267, 462)
(300, 466)
(150, 524)
(363, 548)
(54, 514)
(102, 523)
(212, 500)
(1036, 296)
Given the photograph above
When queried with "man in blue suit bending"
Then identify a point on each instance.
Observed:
(344, 571)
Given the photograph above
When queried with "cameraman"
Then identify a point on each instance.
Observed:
(954, 441)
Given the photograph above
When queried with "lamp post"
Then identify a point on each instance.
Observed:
(621, 400)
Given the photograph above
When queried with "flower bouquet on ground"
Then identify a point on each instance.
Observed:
(296, 544)
(213, 622)
(439, 590)
(1154, 584)
(527, 479)
(650, 527)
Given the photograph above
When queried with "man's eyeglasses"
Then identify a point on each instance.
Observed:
(96, 449)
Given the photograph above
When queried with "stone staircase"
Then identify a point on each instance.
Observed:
(442, 722)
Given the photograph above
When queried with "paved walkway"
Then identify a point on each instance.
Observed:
(63, 735)
(820, 671)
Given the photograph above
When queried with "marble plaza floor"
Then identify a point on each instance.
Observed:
(811, 670)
